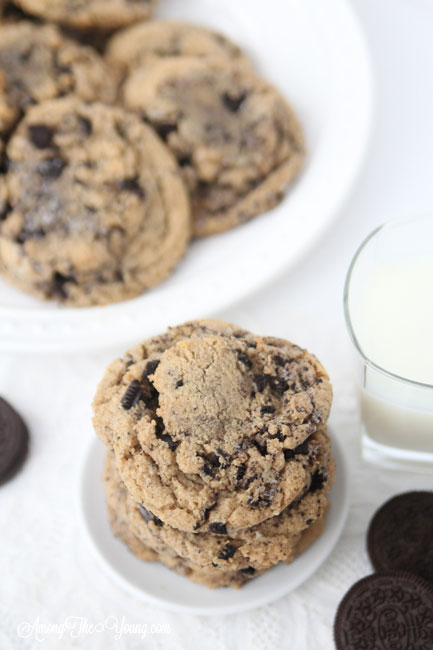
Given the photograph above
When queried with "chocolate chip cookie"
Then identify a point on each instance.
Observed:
(207, 420)
(163, 38)
(237, 141)
(93, 208)
(259, 547)
(88, 14)
(38, 63)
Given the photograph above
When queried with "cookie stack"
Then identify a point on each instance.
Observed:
(111, 162)
(218, 460)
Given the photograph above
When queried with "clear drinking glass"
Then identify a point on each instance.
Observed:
(388, 304)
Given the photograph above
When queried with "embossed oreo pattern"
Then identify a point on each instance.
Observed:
(390, 611)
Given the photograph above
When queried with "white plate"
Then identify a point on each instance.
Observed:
(157, 585)
(314, 51)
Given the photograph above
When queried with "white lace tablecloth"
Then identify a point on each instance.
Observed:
(49, 583)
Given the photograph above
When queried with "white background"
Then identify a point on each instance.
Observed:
(45, 568)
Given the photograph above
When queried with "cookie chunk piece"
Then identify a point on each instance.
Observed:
(206, 422)
(237, 141)
(259, 547)
(88, 14)
(94, 210)
(121, 531)
(163, 38)
(38, 63)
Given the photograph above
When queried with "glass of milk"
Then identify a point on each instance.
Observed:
(388, 303)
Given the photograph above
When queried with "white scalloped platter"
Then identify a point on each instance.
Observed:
(315, 53)
(154, 584)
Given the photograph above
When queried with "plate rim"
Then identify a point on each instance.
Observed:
(340, 490)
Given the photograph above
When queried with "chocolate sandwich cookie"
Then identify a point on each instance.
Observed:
(207, 423)
(88, 14)
(93, 208)
(238, 142)
(38, 63)
(138, 44)
(389, 611)
(14, 440)
(400, 535)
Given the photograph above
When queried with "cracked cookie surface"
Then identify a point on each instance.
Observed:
(163, 38)
(208, 576)
(88, 14)
(223, 573)
(38, 63)
(93, 208)
(259, 547)
(206, 423)
(237, 141)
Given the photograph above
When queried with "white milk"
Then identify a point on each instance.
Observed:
(394, 328)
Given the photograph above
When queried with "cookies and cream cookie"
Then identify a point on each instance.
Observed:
(135, 45)
(259, 547)
(89, 14)
(38, 63)
(229, 568)
(93, 208)
(238, 142)
(206, 422)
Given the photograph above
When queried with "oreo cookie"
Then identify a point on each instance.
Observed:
(400, 535)
(14, 440)
(386, 611)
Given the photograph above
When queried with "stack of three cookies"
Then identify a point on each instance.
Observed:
(218, 460)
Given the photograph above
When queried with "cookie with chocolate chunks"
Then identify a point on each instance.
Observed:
(14, 441)
(136, 45)
(37, 63)
(400, 535)
(278, 539)
(209, 425)
(209, 576)
(238, 142)
(93, 208)
(215, 560)
(386, 611)
(89, 14)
